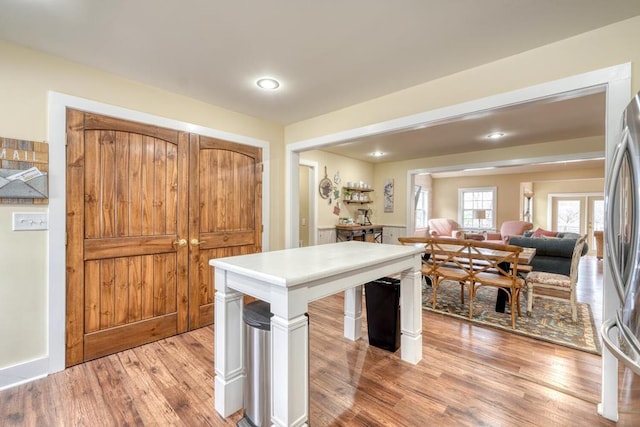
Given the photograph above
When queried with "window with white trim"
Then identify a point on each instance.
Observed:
(476, 208)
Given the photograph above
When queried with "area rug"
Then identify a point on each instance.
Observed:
(550, 319)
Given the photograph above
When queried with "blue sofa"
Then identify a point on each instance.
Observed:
(553, 255)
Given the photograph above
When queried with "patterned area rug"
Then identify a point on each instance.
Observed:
(550, 320)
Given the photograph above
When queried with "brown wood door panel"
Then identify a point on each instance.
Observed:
(223, 239)
(225, 213)
(206, 314)
(129, 246)
(125, 290)
(75, 225)
(204, 290)
(153, 207)
(93, 121)
(110, 341)
(126, 194)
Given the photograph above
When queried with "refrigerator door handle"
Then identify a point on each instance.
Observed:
(614, 349)
(612, 180)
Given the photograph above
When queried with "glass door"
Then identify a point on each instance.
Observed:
(581, 214)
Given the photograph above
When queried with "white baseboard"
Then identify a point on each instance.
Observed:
(23, 373)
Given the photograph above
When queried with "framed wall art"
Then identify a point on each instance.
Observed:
(388, 195)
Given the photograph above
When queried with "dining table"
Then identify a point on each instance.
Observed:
(289, 280)
(524, 257)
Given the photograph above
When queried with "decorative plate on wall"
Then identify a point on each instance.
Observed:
(326, 186)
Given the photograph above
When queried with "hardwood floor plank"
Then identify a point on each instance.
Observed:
(469, 376)
(113, 383)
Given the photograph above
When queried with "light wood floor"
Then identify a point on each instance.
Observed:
(469, 376)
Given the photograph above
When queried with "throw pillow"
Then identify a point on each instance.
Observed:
(540, 232)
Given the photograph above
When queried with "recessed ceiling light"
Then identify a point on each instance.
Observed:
(495, 135)
(377, 154)
(268, 83)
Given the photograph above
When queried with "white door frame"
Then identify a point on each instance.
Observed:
(58, 104)
(587, 212)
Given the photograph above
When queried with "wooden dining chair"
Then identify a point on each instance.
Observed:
(496, 265)
(445, 265)
(557, 286)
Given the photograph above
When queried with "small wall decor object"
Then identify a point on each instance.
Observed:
(23, 184)
(388, 195)
(24, 167)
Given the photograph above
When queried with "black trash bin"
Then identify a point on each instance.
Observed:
(383, 313)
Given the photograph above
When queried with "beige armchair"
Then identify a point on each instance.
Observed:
(508, 229)
(445, 227)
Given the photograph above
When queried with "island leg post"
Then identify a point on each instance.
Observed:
(290, 370)
(353, 313)
(411, 314)
(228, 362)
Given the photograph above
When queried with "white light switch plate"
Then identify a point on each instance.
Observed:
(28, 221)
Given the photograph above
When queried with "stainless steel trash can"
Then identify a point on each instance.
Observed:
(257, 390)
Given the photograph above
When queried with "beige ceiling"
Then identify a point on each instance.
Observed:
(328, 55)
(548, 120)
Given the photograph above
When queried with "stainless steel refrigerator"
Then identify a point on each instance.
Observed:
(621, 333)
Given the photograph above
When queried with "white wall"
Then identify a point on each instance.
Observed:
(23, 273)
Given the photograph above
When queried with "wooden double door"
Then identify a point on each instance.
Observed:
(147, 207)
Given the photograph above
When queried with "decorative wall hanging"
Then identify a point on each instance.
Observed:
(336, 209)
(326, 186)
(336, 178)
(388, 195)
(24, 167)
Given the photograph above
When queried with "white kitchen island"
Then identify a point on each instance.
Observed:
(289, 279)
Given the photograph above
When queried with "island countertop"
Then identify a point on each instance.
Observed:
(291, 267)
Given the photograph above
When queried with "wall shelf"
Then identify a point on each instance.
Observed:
(359, 191)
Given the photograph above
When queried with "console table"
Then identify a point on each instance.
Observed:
(289, 279)
(366, 233)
